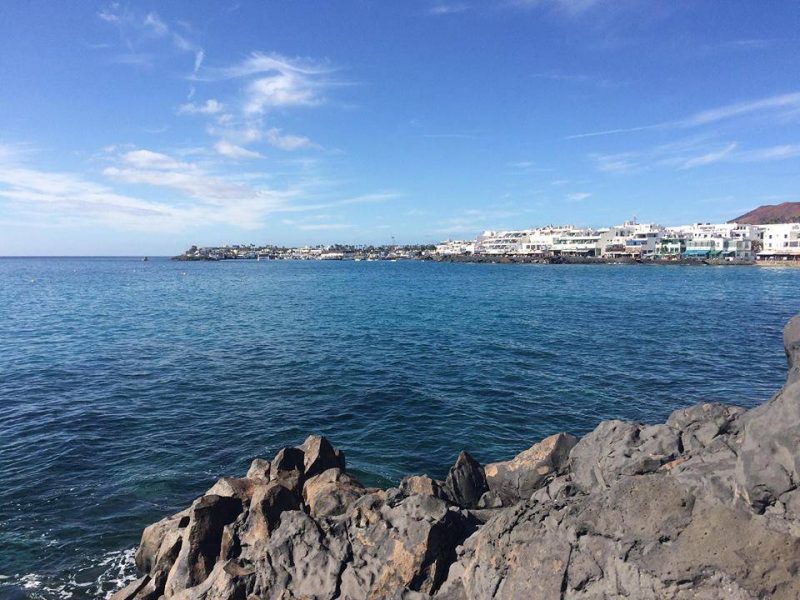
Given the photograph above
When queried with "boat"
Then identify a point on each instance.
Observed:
(145, 259)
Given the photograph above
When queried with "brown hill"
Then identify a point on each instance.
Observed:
(788, 212)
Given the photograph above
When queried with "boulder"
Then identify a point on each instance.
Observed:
(259, 469)
(517, 479)
(422, 485)
(159, 542)
(466, 482)
(288, 468)
(233, 487)
(768, 462)
(266, 508)
(201, 541)
(618, 448)
(331, 493)
(698, 426)
(320, 455)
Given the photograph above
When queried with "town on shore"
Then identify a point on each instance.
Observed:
(735, 243)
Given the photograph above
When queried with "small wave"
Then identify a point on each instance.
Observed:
(96, 578)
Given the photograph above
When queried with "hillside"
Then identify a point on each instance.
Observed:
(787, 212)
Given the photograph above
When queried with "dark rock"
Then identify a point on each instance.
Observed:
(266, 509)
(517, 479)
(233, 487)
(287, 460)
(768, 462)
(466, 482)
(791, 344)
(320, 455)
(259, 469)
(422, 485)
(201, 541)
(617, 448)
(160, 543)
(698, 426)
(331, 493)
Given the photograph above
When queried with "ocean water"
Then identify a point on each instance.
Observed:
(127, 388)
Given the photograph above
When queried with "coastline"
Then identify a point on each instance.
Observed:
(630, 510)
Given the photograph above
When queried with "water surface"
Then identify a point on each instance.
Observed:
(127, 388)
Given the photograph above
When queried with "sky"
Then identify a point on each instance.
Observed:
(131, 128)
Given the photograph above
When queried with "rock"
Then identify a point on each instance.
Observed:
(143, 588)
(409, 545)
(422, 485)
(698, 426)
(319, 456)
(265, 512)
(517, 479)
(791, 344)
(288, 468)
(768, 462)
(225, 582)
(259, 469)
(201, 541)
(490, 499)
(706, 506)
(232, 487)
(331, 493)
(466, 482)
(287, 460)
(617, 448)
(159, 542)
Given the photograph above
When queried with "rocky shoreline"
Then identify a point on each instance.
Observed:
(704, 506)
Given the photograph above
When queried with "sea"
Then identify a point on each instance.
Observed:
(128, 387)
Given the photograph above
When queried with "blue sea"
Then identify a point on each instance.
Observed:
(128, 387)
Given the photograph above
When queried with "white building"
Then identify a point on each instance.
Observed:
(502, 242)
(458, 247)
(779, 241)
(630, 240)
(718, 240)
(577, 242)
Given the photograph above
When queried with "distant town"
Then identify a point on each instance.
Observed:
(734, 242)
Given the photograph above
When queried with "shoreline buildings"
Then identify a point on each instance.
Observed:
(639, 241)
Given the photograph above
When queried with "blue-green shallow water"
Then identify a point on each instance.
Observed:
(126, 388)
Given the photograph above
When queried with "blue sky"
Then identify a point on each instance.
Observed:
(145, 127)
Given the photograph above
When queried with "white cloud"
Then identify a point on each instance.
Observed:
(772, 153)
(448, 9)
(324, 226)
(230, 150)
(780, 105)
(209, 107)
(147, 159)
(153, 22)
(277, 81)
(287, 142)
(709, 157)
(578, 196)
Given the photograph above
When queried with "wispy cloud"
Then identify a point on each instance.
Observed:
(568, 7)
(137, 30)
(286, 141)
(448, 9)
(233, 151)
(710, 157)
(277, 81)
(209, 107)
(578, 196)
(780, 105)
(690, 154)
